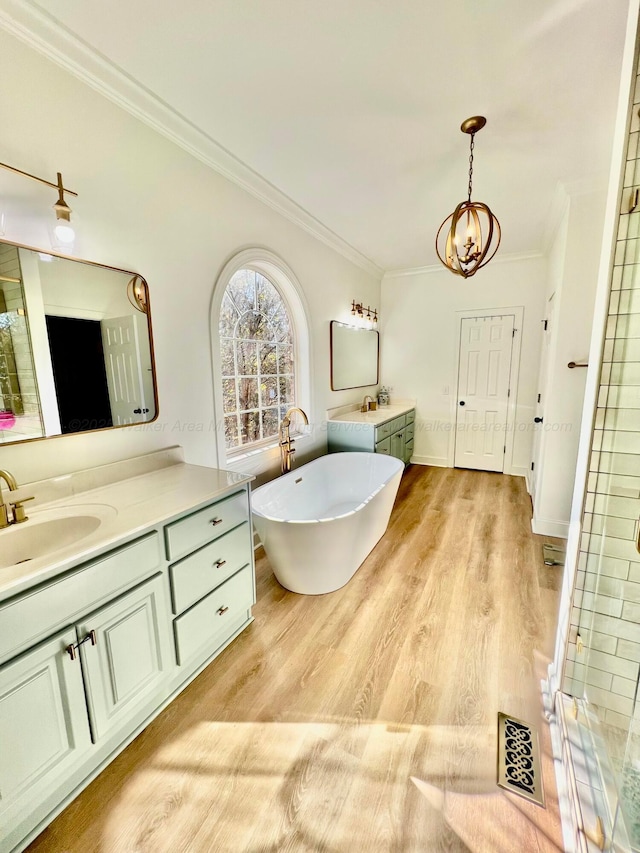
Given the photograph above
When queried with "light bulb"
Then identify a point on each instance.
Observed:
(64, 233)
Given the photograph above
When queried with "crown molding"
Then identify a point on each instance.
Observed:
(48, 37)
(510, 258)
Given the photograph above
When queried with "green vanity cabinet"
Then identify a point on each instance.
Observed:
(91, 654)
(393, 437)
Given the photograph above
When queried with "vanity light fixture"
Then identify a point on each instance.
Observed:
(465, 241)
(364, 315)
(63, 232)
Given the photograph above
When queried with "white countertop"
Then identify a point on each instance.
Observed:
(128, 508)
(375, 418)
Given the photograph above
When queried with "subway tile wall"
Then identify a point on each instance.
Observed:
(603, 659)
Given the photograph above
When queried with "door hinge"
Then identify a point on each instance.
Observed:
(539, 397)
(546, 324)
(509, 392)
(513, 333)
(532, 466)
(504, 449)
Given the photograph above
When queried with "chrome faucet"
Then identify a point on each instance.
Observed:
(286, 449)
(13, 511)
(367, 403)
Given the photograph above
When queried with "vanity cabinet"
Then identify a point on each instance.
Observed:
(393, 437)
(90, 656)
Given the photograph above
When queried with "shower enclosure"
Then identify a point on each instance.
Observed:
(603, 656)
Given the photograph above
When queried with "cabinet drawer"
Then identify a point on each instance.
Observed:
(384, 446)
(212, 616)
(30, 618)
(409, 431)
(195, 530)
(383, 431)
(410, 416)
(203, 571)
(397, 423)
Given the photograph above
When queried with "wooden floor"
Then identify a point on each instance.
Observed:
(363, 720)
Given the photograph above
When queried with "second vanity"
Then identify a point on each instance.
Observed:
(387, 429)
(126, 591)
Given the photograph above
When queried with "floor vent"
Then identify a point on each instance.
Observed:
(552, 555)
(519, 759)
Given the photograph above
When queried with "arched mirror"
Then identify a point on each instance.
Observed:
(76, 351)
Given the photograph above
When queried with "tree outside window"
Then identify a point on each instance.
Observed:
(257, 359)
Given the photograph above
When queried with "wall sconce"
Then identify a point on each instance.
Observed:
(63, 232)
(138, 294)
(364, 315)
(471, 229)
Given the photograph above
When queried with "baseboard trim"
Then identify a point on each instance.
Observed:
(549, 527)
(436, 461)
(517, 471)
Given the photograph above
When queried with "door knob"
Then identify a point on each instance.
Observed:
(462, 402)
(538, 420)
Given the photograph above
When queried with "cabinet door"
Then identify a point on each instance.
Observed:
(397, 445)
(44, 729)
(125, 652)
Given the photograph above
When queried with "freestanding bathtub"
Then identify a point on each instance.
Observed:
(318, 522)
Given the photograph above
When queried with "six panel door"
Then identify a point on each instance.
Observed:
(483, 387)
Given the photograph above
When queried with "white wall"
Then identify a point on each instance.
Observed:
(419, 339)
(573, 275)
(147, 206)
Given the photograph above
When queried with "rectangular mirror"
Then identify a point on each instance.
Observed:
(354, 356)
(76, 352)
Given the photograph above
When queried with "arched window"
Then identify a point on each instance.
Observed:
(257, 359)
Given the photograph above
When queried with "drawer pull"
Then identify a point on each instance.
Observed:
(215, 521)
(220, 563)
(222, 611)
(71, 649)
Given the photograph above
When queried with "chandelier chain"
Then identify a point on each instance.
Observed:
(471, 147)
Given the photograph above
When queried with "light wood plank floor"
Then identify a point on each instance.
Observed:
(363, 720)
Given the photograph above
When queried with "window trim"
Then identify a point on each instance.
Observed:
(257, 455)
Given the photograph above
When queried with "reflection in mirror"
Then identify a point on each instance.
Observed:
(354, 356)
(75, 346)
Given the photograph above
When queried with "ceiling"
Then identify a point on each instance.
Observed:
(352, 108)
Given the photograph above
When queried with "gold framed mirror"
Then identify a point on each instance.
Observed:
(354, 356)
(76, 347)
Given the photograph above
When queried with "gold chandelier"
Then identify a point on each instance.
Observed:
(469, 238)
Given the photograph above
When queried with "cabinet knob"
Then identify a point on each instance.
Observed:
(538, 420)
(222, 611)
(215, 521)
(462, 402)
(219, 563)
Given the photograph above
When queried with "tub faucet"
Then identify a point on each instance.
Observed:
(286, 442)
(13, 511)
(366, 403)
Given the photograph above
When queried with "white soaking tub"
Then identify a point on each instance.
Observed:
(318, 522)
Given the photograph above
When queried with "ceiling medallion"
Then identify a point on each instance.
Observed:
(469, 238)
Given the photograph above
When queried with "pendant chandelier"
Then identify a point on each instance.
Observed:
(469, 238)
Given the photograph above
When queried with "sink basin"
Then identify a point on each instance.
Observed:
(48, 531)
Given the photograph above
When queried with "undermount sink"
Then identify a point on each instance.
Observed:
(48, 531)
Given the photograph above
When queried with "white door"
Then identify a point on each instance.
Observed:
(543, 381)
(124, 371)
(483, 392)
